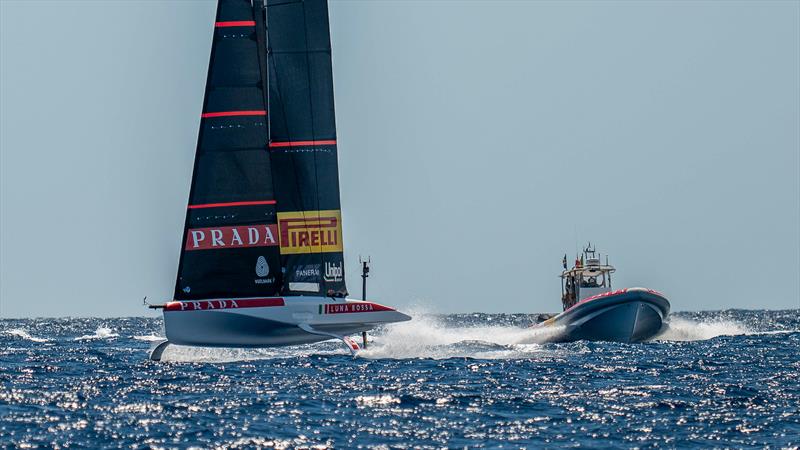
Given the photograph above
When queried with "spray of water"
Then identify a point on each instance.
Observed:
(99, 333)
(23, 334)
(679, 329)
(426, 337)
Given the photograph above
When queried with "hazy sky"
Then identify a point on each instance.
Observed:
(479, 142)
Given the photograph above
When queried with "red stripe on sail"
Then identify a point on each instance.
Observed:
(301, 143)
(201, 305)
(219, 205)
(235, 23)
(233, 113)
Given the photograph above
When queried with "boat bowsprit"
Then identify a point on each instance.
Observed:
(595, 312)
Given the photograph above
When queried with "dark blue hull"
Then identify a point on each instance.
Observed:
(627, 315)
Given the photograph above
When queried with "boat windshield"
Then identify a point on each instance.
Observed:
(591, 279)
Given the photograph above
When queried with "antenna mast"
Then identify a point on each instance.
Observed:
(364, 275)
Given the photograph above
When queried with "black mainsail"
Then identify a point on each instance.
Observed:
(303, 145)
(264, 213)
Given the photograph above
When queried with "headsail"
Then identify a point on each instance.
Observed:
(303, 146)
(231, 246)
(264, 213)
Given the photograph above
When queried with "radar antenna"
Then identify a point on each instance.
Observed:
(364, 275)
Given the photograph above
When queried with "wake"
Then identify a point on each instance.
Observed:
(428, 337)
(685, 330)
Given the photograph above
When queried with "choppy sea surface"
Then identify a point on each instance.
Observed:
(713, 379)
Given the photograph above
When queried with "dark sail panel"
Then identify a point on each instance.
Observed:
(303, 146)
(231, 240)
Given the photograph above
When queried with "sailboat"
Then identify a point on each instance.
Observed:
(594, 311)
(261, 262)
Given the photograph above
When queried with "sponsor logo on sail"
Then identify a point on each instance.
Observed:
(334, 272)
(310, 231)
(241, 236)
(307, 272)
(262, 268)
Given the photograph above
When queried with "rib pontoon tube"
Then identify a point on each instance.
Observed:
(625, 315)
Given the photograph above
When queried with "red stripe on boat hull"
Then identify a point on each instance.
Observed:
(205, 305)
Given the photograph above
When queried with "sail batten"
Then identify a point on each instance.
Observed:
(302, 143)
(235, 23)
(221, 205)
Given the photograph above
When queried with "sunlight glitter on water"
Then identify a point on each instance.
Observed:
(439, 381)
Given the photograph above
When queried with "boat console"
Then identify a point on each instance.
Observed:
(587, 278)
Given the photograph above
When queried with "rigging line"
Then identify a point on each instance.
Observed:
(313, 130)
(262, 40)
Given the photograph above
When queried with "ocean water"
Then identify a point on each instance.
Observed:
(713, 379)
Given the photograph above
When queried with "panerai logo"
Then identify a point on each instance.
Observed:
(334, 272)
(307, 272)
(262, 268)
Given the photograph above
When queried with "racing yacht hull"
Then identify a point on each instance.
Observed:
(625, 315)
(270, 322)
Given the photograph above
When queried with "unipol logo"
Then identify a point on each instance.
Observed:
(262, 268)
(310, 231)
(334, 272)
(232, 237)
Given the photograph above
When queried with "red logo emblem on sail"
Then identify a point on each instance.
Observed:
(310, 231)
(232, 237)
